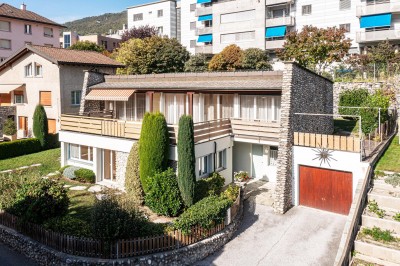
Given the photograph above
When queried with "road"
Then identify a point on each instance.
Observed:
(9, 257)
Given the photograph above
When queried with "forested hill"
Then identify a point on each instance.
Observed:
(98, 24)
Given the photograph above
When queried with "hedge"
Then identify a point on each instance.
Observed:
(19, 147)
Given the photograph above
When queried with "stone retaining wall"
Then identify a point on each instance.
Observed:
(5, 112)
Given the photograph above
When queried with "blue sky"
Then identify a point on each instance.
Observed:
(66, 10)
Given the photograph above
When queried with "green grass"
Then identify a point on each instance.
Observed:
(390, 160)
(49, 160)
(81, 204)
(351, 126)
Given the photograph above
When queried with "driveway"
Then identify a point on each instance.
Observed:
(9, 257)
(302, 236)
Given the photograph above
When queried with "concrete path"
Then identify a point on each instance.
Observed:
(303, 236)
(9, 257)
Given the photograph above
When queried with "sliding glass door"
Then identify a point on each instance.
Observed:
(109, 165)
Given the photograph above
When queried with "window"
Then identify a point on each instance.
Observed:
(205, 165)
(192, 7)
(346, 27)
(273, 155)
(48, 32)
(306, 10)
(221, 159)
(45, 98)
(5, 26)
(38, 70)
(76, 97)
(344, 4)
(5, 44)
(237, 37)
(160, 13)
(18, 97)
(261, 107)
(138, 17)
(133, 109)
(67, 40)
(28, 70)
(28, 29)
(80, 152)
(238, 16)
(160, 30)
(104, 44)
(193, 25)
(192, 43)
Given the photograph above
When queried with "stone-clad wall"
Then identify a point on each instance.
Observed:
(91, 78)
(5, 112)
(302, 92)
(121, 161)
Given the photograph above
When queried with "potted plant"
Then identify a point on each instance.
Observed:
(241, 176)
(10, 130)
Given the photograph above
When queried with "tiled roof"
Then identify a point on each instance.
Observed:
(9, 11)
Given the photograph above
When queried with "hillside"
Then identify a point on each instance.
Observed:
(98, 24)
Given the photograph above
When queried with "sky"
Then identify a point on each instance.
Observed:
(62, 11)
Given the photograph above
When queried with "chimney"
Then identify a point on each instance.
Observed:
(23, 7)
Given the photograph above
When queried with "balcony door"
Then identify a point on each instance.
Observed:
(109, 166)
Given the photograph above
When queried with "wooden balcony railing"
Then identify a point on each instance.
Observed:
(258, 130)
(205, 131)
(333, 142)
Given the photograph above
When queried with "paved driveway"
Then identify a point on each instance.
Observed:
(9, 257)
(303, 236)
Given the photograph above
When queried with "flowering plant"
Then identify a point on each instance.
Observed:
(241, 176)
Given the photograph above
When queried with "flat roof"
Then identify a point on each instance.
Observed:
(151, 3)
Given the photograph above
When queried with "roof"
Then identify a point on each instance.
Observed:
(61, 56)
(151, 3)
(9, 11)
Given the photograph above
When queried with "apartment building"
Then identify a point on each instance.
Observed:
(21, 26)
(70, 38)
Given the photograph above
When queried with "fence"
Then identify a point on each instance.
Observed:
(87, 247)
(341, 143)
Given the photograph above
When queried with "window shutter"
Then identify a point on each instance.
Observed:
(52, 126)
(45, 98)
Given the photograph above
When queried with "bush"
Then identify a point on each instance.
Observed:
(207, 213)
(197, 63)
(163, 196)
(61, 170)
(9, 127)
(19, 147)
(370, 116)
(209, 186)
(52, 141)
(229, 59)
(352, 98)
(69, 172)
(132, 177)
(255, 58)
(40, 125)
(69, 225)
(85, 175)
(40, 200)
(10, 183)
(153, 147)
(231, 192)
(379, 235)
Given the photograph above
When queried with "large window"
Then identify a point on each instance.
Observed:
(48, 32)
(205, 165)
(67, 40)
(175, 107)
(160, 13)
(306, 10)
(238, 16)
(80, 152)
(5, 26)
(138, 17)
(28, 70)
(76, 97)
(5, 44)
(212, 106)
(133, 109)
(344, 4)
(261, 107)
(238, 37)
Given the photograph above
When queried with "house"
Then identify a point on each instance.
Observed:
(243, 120)
(50, 76)
(21, 26)
(109, 43)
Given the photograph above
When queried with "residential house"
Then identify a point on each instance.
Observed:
(21, 26)
(49, 76)
(69, 38)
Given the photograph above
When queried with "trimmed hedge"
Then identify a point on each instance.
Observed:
(352, 98)
(85, 175)
(19, 147)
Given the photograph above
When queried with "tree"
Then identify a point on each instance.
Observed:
(151, 55)
(132, 176)
(9, 128)
(315, 48)
(383, 54)
(140, 32)
(153, 147)
(255, 58)
(40, 125)
(186, 160)
(229, 59)
(197, 63)
(87, 46)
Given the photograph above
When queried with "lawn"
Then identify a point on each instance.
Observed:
(390, 161)
(50, 160)
(346, 126)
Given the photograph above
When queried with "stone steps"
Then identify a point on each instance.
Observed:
(385, 201)
(377, 252)
(374, 261)
(380, 184)
(384, 224)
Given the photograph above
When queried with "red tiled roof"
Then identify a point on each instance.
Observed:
(9, 11)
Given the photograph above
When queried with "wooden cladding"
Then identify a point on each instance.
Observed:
(52, 126)
(5, 99)
(45, 98)
(341, 143)
(258, 130)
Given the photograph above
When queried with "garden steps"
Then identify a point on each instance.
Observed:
(384, 200)
(381, 185)
(383, 223)
(367, 260)
(377, 251)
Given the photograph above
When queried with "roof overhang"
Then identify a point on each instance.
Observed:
(7, 88)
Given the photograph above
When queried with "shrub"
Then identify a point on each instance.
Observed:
(206, 213)
(9, 127)
(69, 172)
(69, 225)
(40, 200)
(85, 175)
(16, 148)
(255, 58)
(197, 63)
(153, 147)
(40, 126)
(379, 235)
(396, 217)
(163, 196)
(52, 141)
(186, 160)
(209, 186)
(352, 98)
(229, 59)
(61, 170)
(231, 192)
(370, 116)
(373, 207)
(10, 183)
(132, 178)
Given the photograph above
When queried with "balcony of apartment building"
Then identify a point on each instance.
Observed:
(206, 24)
(277, 2)
(204, 44)
(378, 7)
(377, 28)
(279, 16)
(203, 9)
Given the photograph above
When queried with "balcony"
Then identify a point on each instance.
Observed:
(203, 10)
(380, 7)
(282, 21)
(277, 2)
(204, 49)
(255, 130)
(376, 36)
(202, 31)
(274, 44)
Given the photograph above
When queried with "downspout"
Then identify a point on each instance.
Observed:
(215, 156)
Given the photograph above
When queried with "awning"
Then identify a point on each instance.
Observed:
(7, 88)
(279, 31)
(205, 38)
(120, 95)
(375, 21)
(205, 17)
(203, 1)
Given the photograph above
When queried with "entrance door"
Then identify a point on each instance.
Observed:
(23, 124)
(109, 165)
(258, 161)
(325, 189)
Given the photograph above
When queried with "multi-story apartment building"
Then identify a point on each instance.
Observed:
(21, 26)
(69, 38)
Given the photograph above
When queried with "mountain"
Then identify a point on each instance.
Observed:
(98, 24)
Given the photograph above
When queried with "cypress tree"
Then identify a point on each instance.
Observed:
(132, 178)
(186, 160)
(40, 125)
(153, 147)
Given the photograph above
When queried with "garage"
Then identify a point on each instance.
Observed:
(327, 190)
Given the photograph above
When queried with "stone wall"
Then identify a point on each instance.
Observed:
(5, 112)
(91, 78)
(121, 161)
(303, 91)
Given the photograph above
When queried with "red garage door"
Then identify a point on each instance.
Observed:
(326, 189)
